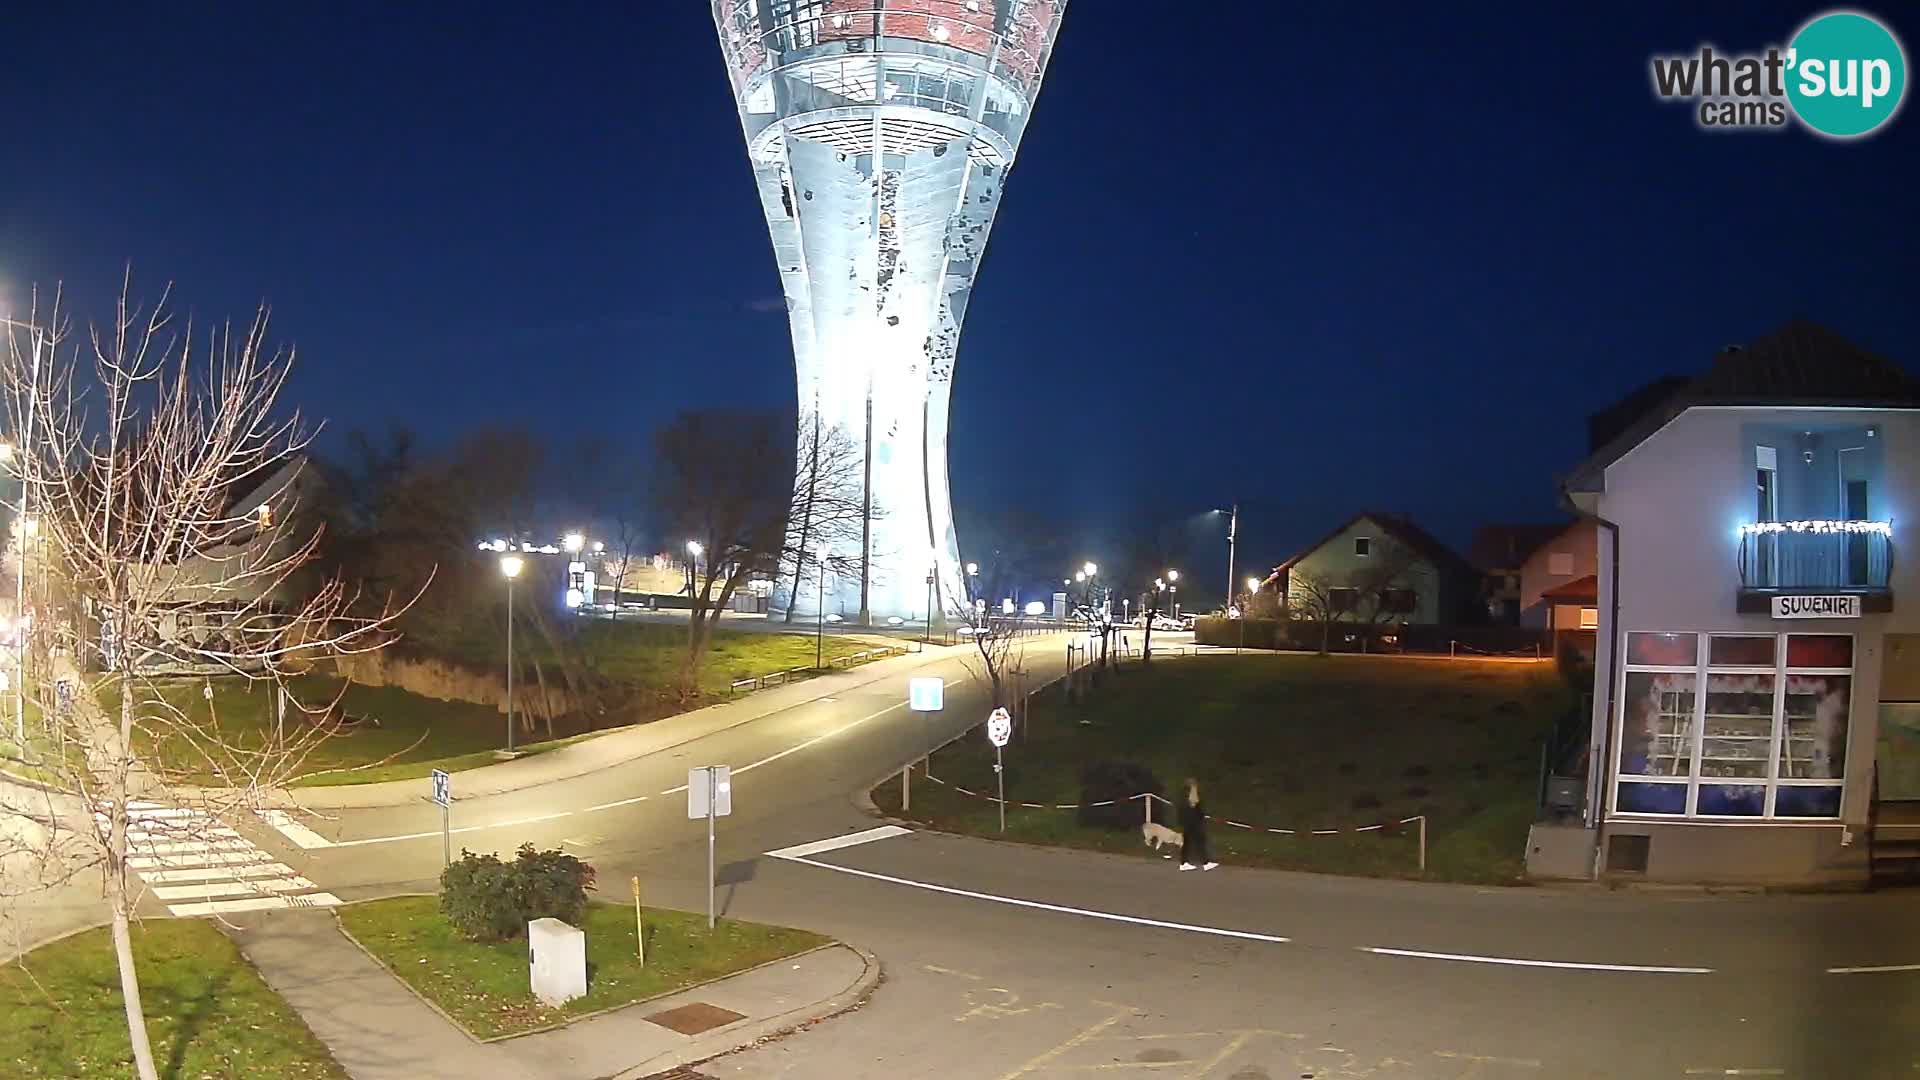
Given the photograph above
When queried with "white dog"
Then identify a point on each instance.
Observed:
(1158, 836)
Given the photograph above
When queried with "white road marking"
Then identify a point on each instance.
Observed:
(1509, 961)
(1872, 970)
(455, 832)
(608, 806)
(304, 838)
(227, 865)
(217, 873)
(208, 890)
(1015, 901)
(835, 843)
(256, 903)
(619, 802)
(1736, 1072)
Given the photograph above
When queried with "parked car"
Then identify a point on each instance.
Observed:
(1164, 621)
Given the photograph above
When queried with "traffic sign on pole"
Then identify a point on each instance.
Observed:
(926, 694)
(443, 797)
(999, 727)
(710, 796)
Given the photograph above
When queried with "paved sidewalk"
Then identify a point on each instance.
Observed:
(378, 1029)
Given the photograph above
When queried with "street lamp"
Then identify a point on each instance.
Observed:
(510, 566)
(1173, 591)
(573, 542)
(694, 550)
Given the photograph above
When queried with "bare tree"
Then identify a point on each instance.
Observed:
(724, 478)
(1317, 598)
(824, 522)
(997, 639)
(136, 447)
(1383, 589)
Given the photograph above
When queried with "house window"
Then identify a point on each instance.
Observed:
(1560, 564)
(1343, 599)
(1589, 618)
(1363, 546)
(1399, 601)
(1735, 726)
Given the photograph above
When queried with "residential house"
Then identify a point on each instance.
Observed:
(1758, 651)
(1499, 552)
(1383, 568)
(1559, 582)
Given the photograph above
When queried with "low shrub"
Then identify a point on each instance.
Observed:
(1115, 783)
(489, 900)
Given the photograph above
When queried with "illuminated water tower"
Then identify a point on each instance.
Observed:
(881, 133)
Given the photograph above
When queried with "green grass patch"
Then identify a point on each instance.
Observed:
(209, 1014)
(1285, 741)
(484, 986)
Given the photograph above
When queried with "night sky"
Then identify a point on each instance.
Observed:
(1313, 260)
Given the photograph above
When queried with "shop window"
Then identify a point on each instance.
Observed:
(1657, 737)
(1733, 800)
(1735, 651)
(1663, 650)
(1806, 802)
(1757, 727)
(1819, 651)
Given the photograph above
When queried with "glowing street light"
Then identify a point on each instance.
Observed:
(510, 567)
(573, 542)
(1090, 570)
(1079, 575)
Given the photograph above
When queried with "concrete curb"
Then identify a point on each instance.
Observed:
(735, 1039)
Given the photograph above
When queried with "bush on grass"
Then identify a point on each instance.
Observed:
(1117, 782)
(489, 900)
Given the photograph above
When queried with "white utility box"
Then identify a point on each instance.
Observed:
(556, 961)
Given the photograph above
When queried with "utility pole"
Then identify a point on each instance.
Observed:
(1233, 527)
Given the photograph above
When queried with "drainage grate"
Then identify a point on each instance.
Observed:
(695, 1018)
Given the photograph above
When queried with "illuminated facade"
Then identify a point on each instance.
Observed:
(881, 133)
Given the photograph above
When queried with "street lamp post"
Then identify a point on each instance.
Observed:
(510, 566)
(820, 610)
(694, 549)
(1173, 591)
(1233, 528)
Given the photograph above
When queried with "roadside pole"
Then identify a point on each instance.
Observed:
(443, 796)
(639, 926)
(999, 730)
(710, 796)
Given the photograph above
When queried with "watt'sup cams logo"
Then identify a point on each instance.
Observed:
(1842, 76)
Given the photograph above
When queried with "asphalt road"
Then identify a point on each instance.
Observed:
(1006, 961)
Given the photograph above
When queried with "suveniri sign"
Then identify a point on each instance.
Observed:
(1816, 607)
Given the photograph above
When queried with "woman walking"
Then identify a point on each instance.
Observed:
(1194, 852)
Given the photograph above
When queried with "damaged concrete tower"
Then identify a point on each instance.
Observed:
(880, 133)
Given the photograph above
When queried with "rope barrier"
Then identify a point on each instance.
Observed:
(1376, 827)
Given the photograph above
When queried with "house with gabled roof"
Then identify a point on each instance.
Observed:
(1384, 568)
(1756, 699)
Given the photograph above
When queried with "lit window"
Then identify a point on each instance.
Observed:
(1589, 618)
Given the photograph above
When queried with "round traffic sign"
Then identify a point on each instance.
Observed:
(999, 727)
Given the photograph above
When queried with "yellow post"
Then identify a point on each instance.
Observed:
(640, 929)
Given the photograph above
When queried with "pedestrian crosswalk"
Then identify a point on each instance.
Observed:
(201, 867)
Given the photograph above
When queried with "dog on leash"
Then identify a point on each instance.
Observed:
(1157, 836)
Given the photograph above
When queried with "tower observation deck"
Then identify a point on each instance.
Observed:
(880, 134)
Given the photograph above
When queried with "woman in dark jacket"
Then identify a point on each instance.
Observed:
(1194, 851)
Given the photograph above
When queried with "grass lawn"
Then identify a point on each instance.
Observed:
(484, 986)
(649, 654)
(1285, 741)
(208, 1012)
